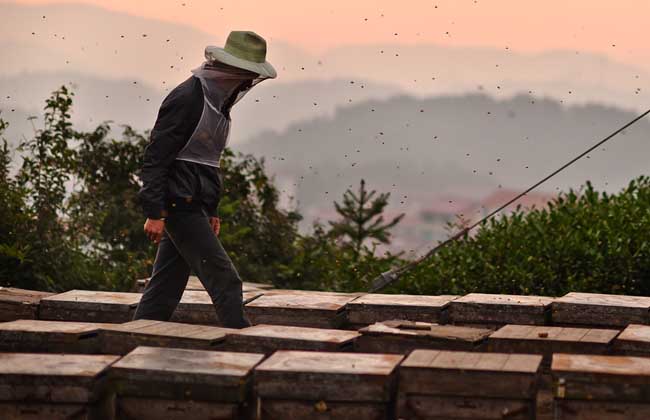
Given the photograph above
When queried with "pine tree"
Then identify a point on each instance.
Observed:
(362, 218)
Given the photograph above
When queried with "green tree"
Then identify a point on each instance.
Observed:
(362, 219)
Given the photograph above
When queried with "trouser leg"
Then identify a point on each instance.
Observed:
(166, 285)
(200, 247)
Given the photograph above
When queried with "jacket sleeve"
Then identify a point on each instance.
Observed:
(168, 137)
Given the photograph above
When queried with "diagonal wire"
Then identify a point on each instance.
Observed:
(388, 277)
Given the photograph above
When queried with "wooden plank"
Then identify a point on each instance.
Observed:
(593, 410)
(478, 308)
(415, 406)
(633, 341)
(307, 410)
(196, 307)
(549, 340)
(123, 338)
(594, 377)
(269, 338)
(56, 411)
(601, 310)
(171, 373)
(128, 408)
(20, 303)
(50, 336)
(300, 308)
(467, 374)
(374, 307)
(90, 306)
(52, 378)
(193, 283)
(328, 376)
(403, 336)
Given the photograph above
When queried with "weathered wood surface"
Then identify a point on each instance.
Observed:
(20, 303)
(55, 411)
(611, 378)
(52, 378)
(128, 408)
(193, 283)
(171, 373)
(50, 336)
(601, 310)
(455, 385)
(485, 309)
(600, 410)
(307, 410)
(547, 340)
(196, 307)
(403, 336)
(123, 338)
(269, 338)
(327, 376)
(634, 340)
(90, 306)
(300, 308)
(371, 308)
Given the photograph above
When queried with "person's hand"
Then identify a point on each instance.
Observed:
(154, 229)
(215, 223)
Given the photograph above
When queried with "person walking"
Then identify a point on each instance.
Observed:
(182, 181)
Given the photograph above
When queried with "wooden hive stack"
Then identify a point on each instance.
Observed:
(462, 385)
(50, 336)
(54, 386)
(308, 385)
(88, 306)
(633, 341)
(196, 307)
(589, 387)
(371, 308)
(494, 311)
(20, 303)
(158, 383)
(403, 336)
(596, 310)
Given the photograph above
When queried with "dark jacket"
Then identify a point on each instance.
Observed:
(163, 177)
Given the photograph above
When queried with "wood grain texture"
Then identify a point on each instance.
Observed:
(269, 338)
(123, 338)
(335, 376)
(601, 310)
(171, 373)
(592, 377)
(634, 340)
(485, 309)
(64, 378)
(50, 336)
(128, 408)
(421, 407)
(548, 340)
(90, 306)
(20, 303)
(326, 410)
(597, 410)
(374, 307)
(196, 307)
(401, 337)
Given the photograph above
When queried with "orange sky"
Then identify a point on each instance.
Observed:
(616, 28)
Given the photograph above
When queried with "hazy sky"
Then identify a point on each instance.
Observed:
(616, 28)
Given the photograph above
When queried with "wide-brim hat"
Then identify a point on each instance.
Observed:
(245, 50)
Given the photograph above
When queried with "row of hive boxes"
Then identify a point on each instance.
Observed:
(342, 310)
(396, 337)
(169, 383)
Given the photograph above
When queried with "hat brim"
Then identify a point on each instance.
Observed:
(264, 69)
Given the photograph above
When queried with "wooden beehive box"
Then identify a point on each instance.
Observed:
(30, 335)
(634, 340)
(154, 383)
(269, 338)
(123, 338)
(546, 340)
(403, 336)
(89, 306)
(20, 303)
(371, 308)
(54, 386)
(591, 387)
(331, 385)
(591, 309)
(300, 308)
(196, 307)
(437, 384)
(193, 283)
(498, 310)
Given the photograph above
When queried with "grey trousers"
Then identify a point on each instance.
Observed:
(189, 244)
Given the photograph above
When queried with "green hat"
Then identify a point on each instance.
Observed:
(243, 49)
